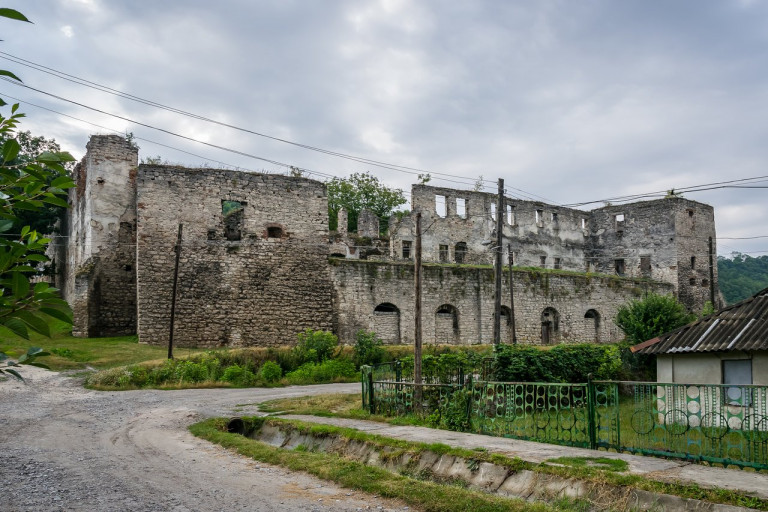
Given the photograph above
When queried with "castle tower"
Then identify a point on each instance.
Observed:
(98, 273)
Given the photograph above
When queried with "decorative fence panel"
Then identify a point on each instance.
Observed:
(721, 424)
(724, 424)
(551, 413)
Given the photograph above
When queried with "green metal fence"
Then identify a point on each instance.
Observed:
(721, 424)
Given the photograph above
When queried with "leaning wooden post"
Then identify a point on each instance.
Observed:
(498, 263)
(173, 293)
(417, 319)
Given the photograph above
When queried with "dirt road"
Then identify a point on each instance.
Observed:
(66, 448)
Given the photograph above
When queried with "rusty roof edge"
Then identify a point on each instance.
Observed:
(645, 344)
(667, 335)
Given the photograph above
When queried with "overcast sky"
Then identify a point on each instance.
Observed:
(567, 100)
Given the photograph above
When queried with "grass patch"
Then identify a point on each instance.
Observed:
(427, 496)
(70, 353)
(617, 465)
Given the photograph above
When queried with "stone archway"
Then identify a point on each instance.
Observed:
(386, 323)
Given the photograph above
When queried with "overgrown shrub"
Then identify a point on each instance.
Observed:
(331, 370)
(189, 371)
(563, 363)
(315, 346)
(271, 372)
(651, 316)
(239, 376)
(368, 349)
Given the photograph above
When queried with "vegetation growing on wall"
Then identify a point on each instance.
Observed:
(361, 191)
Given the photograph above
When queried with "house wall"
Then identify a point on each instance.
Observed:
(360, 286)
(257, 290)
(707, 367)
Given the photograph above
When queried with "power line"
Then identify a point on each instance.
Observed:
(191, 139)
(115, 92)
(664, 193)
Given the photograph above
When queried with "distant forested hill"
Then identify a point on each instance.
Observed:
(741, 276)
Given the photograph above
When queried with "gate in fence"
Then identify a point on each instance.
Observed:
(719, 424)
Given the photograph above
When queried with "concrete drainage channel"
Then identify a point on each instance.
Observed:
(479, 475)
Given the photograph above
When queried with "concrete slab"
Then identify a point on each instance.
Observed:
(747, 482)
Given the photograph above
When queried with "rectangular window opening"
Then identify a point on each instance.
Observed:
(443, 253)
(539, 216)
(493, 211)
(440, 206)
(645, 266)
(619, 266)
(693, 262)
(461, 207)
(232, 212)
(406, 249)
(558, 263)
(510, 215)
(583, 223)
(543, 261)
(554, 217)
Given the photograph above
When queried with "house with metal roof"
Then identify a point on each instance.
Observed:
(728, 347)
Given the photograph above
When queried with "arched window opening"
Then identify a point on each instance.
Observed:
(550, 326)
(460, 252)
(506, 315)
(447, 324)
(274, 232)
(386, 323)
(592, 324)
(506, 324)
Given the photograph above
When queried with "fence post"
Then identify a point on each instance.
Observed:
(371, 404)
(363, 382)
(471, 393)
(591, 411)
(398, 371)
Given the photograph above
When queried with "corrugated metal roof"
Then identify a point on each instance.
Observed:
(743, 326)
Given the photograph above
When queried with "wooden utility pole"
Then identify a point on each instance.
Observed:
(173, 293)
(417, 313)
(712, 273)
(512, 295)
(499, 250)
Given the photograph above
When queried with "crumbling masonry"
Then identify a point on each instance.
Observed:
(258, 264)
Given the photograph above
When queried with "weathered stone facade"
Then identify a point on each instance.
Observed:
(457, 303)
(255, 263)
(255, 275)
(664, 240)
(98, 268)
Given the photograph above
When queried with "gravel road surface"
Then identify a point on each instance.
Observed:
(66, 448)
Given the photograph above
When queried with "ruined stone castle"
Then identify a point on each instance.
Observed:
(257, 263)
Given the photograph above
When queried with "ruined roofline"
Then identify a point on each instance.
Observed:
(490, 197)
(232, 173)
(651, 202)
(446, 191)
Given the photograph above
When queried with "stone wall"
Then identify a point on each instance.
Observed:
(253, 267)
(663, 240)
(97, 269)
(455, 223)
(458, 303)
